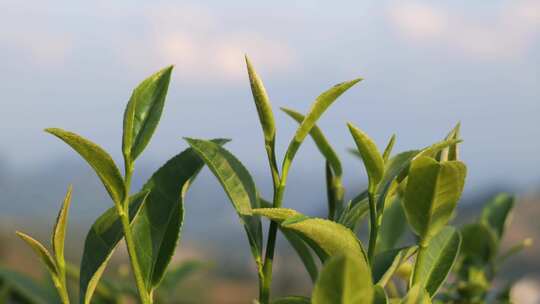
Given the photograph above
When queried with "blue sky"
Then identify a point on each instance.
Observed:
(426, 65)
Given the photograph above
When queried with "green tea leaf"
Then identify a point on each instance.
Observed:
(143, 112)
(496, 213)
(417, 295)
(433, 190)
(238, 185)
(262, 102)
(299, 245)
(320, 141)
(157, 227)
(319, 106)
(433, 263)
(386, 263)
(373, 161)
(479, 242)
(100, 243)
(98, 159)
(331, 237)
(42, 253)
(292, 300)
(380, 297)
(397, 168)
(59, 234)
(344, 279)
(388, 150)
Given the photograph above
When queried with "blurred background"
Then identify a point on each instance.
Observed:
(427, 65)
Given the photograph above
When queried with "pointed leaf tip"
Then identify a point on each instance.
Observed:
(98, 159)
(41, 251)
(372, 158)
(59, 231)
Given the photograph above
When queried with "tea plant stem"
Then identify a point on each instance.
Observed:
(419, 260)
(130, 243)
(279, 187)
(62, 290)
(374, 226)
(270, 247)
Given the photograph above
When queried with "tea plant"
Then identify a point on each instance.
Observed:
(418, 189)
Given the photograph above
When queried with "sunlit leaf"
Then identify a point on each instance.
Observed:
(344, 279)
(319, 106)
(331, 237)
(433, 190)
(433, 263)
(143, 112)
(372, 158)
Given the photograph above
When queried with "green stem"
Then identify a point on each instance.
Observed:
(279, 187)
(419, 260)
(264, 296)
(374, 227)
(61, 287)
(330, 192)
(130, 242)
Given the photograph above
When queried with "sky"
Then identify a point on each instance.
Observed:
(426, 66)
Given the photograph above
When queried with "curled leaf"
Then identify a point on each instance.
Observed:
(373, 161)
(262, 102)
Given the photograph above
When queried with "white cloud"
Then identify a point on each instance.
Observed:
(418, 21)
(508, 32)
(195, 40)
